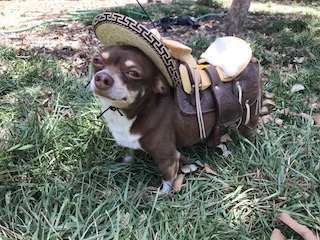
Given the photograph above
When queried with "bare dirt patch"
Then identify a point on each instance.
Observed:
(69, 40)
(23, 13)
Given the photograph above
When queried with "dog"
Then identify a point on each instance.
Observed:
(139, 107)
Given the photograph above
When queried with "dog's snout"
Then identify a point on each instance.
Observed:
(103, 80)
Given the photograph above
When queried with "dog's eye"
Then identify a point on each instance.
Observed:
(133, 74)
(97, 61)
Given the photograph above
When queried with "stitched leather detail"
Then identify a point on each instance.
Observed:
(229, 109)
(186, 102)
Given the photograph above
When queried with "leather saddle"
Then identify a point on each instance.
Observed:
(220, 96)
(219, 80)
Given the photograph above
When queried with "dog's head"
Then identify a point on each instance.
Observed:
(124, 75)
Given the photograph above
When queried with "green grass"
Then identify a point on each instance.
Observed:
(61, 175)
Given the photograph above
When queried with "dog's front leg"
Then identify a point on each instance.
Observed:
(128, 156)
(169, 166)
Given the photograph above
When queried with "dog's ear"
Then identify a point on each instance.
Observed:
(161, 86)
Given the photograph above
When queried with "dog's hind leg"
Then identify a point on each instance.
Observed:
(183, 159)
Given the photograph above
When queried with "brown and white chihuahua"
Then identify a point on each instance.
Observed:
(139, 106)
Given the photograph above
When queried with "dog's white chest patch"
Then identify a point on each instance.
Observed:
(120, 126)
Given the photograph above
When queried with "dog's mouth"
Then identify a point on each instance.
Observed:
(123, 101)
(115, 100)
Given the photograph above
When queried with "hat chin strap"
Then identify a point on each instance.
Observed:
(112, 108)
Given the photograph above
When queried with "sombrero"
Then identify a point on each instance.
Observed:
(116, 29)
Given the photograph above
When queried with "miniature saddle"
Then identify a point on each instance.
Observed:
(223, 61)
(213, 83)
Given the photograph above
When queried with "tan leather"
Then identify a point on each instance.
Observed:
(183, 53)
(225, 78)
(177, 49)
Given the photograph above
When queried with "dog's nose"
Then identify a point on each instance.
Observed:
(103, 80)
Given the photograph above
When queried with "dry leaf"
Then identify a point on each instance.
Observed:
(264, 80)
(269, 95)
(45, 102)
(188, 168)
(267, 118)
(268, 103)
(279, 122)
(307, 117)
(177, 183)
(45, 93)
(277, 235)
(42, 94)
(199, 163)
(226, 187)
(316, 118)
(314, 106)
(297, 87)
(281, 198)
(299, 59)
(258, 174)
(302, 230)
(47, 74)
(208, 170)
(285, 112)
(225, 138)
(312, 56)
(314, 103)
(288, 68)
(224, 149)
(66, 113)
(264, 110)
(49, 109)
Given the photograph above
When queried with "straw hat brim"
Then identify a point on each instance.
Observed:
(116, 29)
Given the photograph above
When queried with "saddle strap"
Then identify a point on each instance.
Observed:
(229, 109)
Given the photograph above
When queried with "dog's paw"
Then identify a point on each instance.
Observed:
(128, 156)
(128, 159)
(166, 187)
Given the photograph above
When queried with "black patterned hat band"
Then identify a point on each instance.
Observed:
(116, 29)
